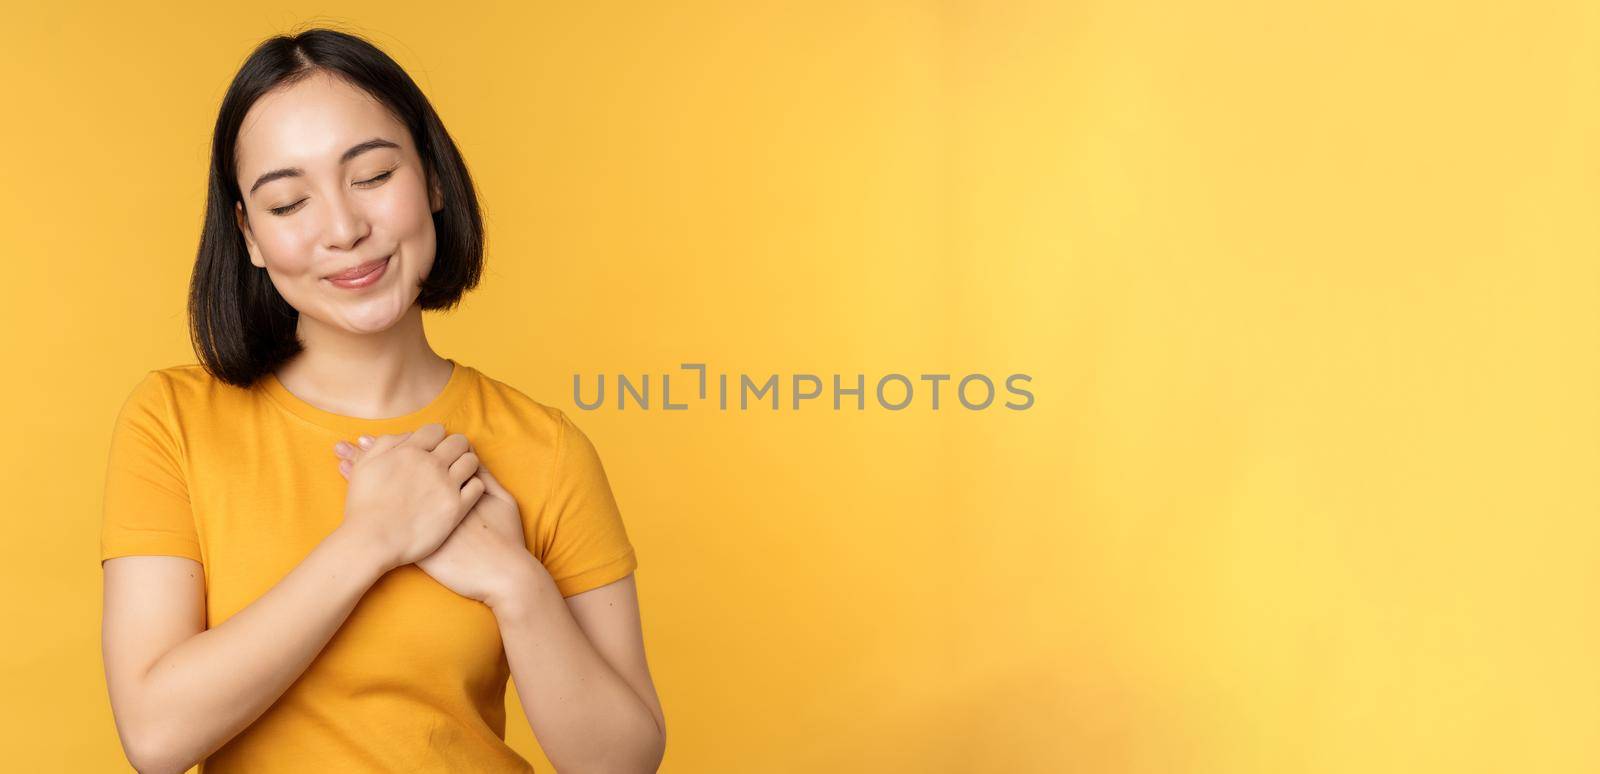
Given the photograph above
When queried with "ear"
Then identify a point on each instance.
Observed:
(435, 194)
(249, 236)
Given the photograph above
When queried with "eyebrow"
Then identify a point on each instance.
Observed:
(354, 151)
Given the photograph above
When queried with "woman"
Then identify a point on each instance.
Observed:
(309, 565)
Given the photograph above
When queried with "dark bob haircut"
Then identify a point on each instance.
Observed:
(241, 327)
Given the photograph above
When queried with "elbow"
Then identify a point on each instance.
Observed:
(153, 738)
(659, 752)
(661, 745)
(640, 758)
(150, 740)
(645, 760)
(158, 763)
(149, 753)
(651, 758)
(649, 755)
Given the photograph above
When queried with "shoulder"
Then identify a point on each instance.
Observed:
(184, 385)
(507, 424)
(176, 393)
(512, 416)
(185, 378)
(511, 411)
(574, 451)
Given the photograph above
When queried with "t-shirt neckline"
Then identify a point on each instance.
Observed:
(436, 411)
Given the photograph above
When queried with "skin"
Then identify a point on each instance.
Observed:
(366, 354)
(179, 690)
(579, 664)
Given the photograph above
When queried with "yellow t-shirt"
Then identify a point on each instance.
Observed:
(246, 482)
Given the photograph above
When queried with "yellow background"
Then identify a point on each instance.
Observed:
(1309, 296)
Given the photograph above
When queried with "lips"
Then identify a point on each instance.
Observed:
(358, 271)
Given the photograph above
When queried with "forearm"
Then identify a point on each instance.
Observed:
(585, 716)
(211, 686)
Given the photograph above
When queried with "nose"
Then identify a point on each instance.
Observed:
(347, 224)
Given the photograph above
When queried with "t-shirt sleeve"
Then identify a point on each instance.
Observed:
(589, 547)
(146, 506)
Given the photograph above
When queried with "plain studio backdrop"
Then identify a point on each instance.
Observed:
(1308, 295)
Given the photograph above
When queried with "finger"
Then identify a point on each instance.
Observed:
(344, 468)
(425, 437)
(471, 492)
(490, 483)
(373, 444)
(453, 446)
(463, 468)
(355, 453)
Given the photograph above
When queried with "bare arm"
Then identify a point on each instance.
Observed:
(178, 690)
(580, 671)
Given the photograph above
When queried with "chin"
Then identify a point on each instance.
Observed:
(367, 330)
(367, 320)
(371, 325)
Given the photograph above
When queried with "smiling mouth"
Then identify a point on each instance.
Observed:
(362, 276)
(359, 271)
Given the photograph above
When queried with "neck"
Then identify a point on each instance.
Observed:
(389, 373)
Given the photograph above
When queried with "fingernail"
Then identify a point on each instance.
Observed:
(342, 447)
(365, 441)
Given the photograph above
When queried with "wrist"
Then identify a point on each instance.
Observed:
(360, 550)
(521, 578)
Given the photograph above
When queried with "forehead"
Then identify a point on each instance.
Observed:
(310, 123)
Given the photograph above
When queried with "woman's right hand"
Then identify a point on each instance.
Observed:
(409, 491)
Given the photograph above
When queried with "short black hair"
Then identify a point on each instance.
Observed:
(241, 327)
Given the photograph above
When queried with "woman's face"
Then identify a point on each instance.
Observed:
(331, 181)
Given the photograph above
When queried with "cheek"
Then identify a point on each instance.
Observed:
(285, 248)
(403, 212)
(408, 219)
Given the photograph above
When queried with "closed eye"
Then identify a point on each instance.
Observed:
(370, 182)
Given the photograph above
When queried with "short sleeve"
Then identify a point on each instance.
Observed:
(589, 547)
(146, 506)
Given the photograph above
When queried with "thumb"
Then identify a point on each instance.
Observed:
(380, 443)
(491, 485)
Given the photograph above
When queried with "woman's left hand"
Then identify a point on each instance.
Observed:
(479, 558)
